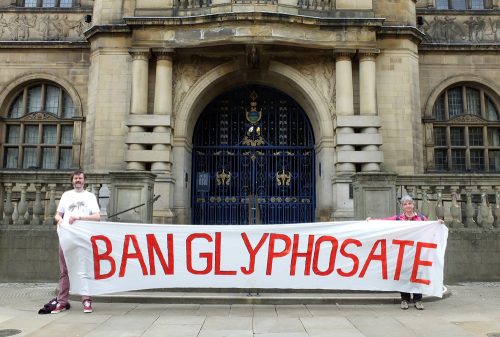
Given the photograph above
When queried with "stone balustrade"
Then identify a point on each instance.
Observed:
(31, 199)
(318, 8)
(468, 201)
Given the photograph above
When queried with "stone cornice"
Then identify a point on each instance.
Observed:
(266, 17)
(456, 47)
(44, 45)
(406, 32)
(107, 29)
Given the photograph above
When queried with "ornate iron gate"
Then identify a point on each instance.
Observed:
(253, 160)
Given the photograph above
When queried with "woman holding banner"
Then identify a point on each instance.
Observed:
(408, 214)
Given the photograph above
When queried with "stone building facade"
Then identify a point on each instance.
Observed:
(258, 111)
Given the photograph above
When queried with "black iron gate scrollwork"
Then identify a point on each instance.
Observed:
(253, 160)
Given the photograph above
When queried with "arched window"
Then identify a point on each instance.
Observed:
(466, 130)
(39, 129)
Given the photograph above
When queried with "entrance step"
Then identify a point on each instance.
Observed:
(254, 296)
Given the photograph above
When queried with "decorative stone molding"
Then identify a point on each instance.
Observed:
(140, 53)
(163, 53)
(189, 70)
(468, 119)
(320, 71)
(464, 29)
(344, 55)
(370, 54)
(42, 26)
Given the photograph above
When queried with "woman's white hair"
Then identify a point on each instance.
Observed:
(406, 198)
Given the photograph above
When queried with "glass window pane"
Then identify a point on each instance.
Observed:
(493, 136)
(49, 134)
(29, 158)
(477, 160)
(441, 160)
(440, 136)
(457, 136)
(16, 109)
(30, 3)
(13, 134)
(35, 99)
(476, 137)
(31, 134)
(494, 157)
(52, 99)
(49, 158)
(458, 4)
(473, 102)
(458, 160)
(66, 3)
(455, 106)
(48, 3)
(477, 4)
(66, 134)
(65, 158)
(491, 113)
(442, 4)
(438, 110)
(68, 110)
(10, 159)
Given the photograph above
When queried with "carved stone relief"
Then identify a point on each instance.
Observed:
(45, 27)
(187, 71)
(319, 71)
(448, 29)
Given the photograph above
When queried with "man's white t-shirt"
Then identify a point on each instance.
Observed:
(77, 204)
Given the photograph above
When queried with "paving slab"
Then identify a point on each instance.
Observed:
(470, 310)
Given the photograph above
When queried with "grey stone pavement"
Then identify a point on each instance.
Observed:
(471, 309)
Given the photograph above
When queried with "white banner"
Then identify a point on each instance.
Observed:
(105, 257)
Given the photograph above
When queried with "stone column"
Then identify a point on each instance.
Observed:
(139, 104)
(341, 182)
(344, 100)
(164, 184)
(162, 103)
(368, 100)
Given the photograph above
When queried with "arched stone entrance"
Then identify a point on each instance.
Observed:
(253, 160)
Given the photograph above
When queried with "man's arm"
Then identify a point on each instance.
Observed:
(91, 217)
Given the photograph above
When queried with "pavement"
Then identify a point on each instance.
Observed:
(468, 309)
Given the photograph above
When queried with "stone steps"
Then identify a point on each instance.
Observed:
(254, 296)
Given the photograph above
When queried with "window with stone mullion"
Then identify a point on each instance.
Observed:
(460, 145)
(477, 4)
(48, 3)
(463, 4)
(455, 102)
(473, 101)
(477, 159)
(46, 144)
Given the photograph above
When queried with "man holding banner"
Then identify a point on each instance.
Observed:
(76, 204)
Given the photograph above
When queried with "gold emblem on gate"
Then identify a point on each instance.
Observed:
(223, 177)
(283, 178)
(253, 116)
(253, 135)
